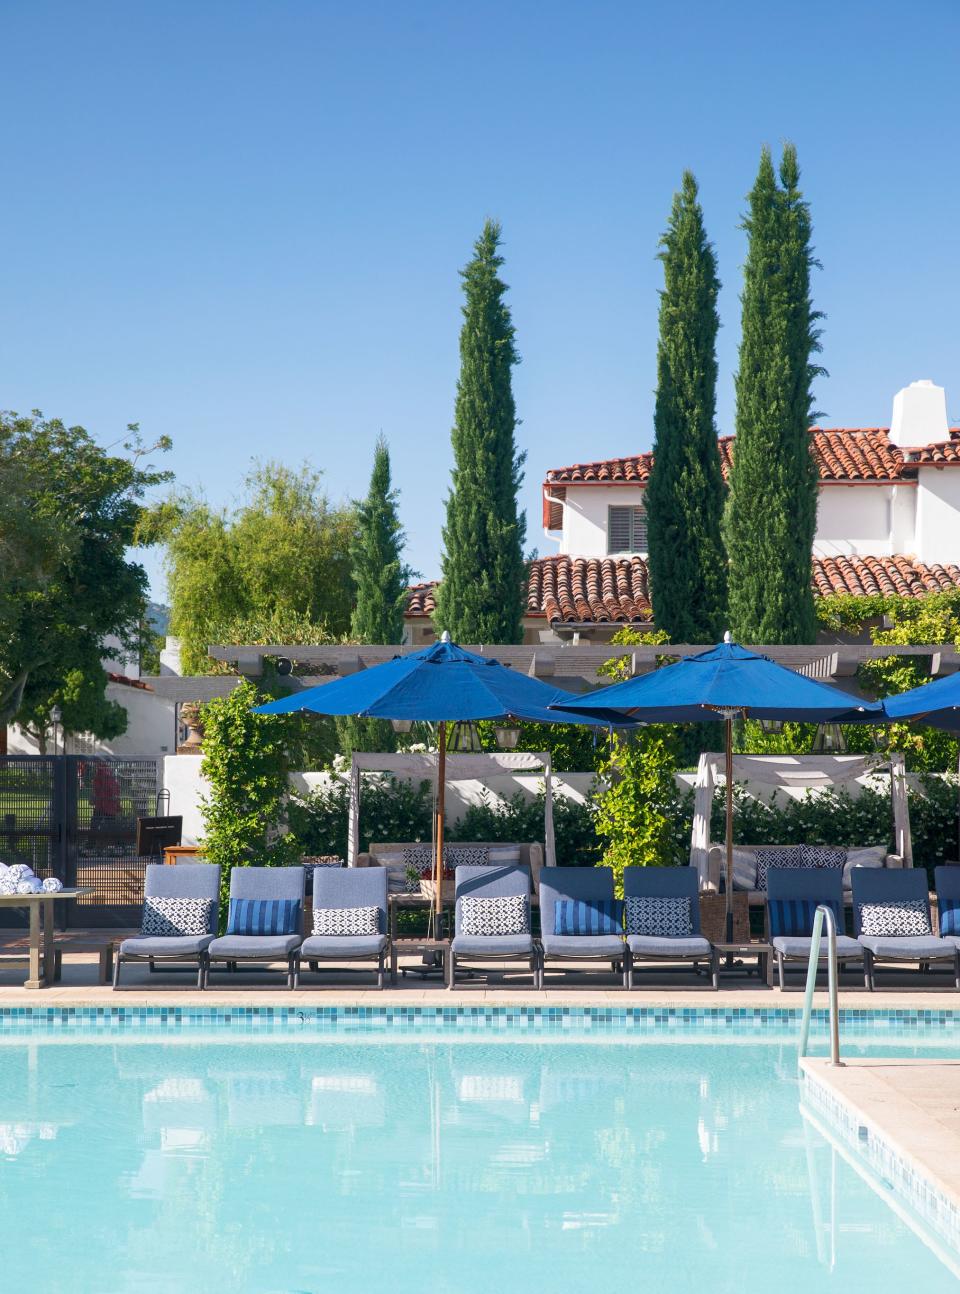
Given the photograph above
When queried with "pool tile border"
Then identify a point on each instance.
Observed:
(937, 1209)
(480, 1020)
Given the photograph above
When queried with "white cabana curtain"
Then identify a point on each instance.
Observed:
(459, 768)
(804, 772)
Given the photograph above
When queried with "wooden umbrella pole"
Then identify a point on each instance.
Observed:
(729, 836)
(441, 796)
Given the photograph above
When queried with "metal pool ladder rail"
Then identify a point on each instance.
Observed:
(823, 913)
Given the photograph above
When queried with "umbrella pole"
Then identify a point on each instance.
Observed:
(438, 853)
(729, 835)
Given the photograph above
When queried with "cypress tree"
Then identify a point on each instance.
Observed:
(379, 573)
(685, 494)
(480, 599)
(771, 511)
(381, 577)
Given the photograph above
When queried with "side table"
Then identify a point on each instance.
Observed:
(763, 953)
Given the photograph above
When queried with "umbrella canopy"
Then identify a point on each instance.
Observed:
(936, 703)
(729, 677)
(441, 684)
(729, 682)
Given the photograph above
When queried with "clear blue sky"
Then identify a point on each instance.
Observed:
(241, 223)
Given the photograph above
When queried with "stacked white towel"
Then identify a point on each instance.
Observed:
(20, 878)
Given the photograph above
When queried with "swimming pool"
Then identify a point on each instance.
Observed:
(247, 1151)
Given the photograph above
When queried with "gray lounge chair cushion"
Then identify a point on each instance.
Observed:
(799, 946)
(492, 945)
(254, 947)
(165, 946)
(604, 946)
(664, 946)
(908, 947)
(345, 946)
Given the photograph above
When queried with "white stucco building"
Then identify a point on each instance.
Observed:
(888, 521)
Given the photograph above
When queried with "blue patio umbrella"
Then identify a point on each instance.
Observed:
(441, 684)
(728, 682)
(936, 703)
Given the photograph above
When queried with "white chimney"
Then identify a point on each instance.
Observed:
(919, 415)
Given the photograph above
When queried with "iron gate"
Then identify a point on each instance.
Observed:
(75, 817)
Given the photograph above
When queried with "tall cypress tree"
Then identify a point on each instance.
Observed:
(771, 511)
(381, 577)
(379, 573)
(685, 494)
(480, 599)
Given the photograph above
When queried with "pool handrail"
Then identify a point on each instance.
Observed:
(823, 913)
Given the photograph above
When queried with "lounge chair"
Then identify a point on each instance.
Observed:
(263, 900)
(470, 943)
(891, 918)
(947, 881)
(665, 942)
(187, 897)
(793, 895)
(343, 890)
(583, 898)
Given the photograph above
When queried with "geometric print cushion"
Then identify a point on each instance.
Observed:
(418, 858)
(662, 917)
(777, 856)
(823, 856)
(903, 917)
(263, 917)
(169, 918)
(346, 921)
(507, 914)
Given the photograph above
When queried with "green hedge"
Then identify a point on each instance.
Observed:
(399, 810)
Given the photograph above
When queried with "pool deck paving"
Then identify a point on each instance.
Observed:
(505, 986)
(912, 1106)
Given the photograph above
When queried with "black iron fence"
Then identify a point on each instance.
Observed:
(75, 817)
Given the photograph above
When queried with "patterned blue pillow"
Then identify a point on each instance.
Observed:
(950, 916)
(588, 917)
(264, 917)
(794, 917)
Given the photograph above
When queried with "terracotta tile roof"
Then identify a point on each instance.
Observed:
(596, 590)
(125, 681)
(422, 601)
(616, 590)
(887, 575)
(842, 454)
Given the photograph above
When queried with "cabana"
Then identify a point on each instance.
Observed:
(768, 774)
(458, 768)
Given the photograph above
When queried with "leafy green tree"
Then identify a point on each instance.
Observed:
(771, 511)
(685, 494)
(284, 551)
(480, 599)
(73, 586)
(246, 761)
(637, 803)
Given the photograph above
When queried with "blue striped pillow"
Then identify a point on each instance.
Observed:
(949, 916)
(794, 917)
(588, 917)
(264, 917)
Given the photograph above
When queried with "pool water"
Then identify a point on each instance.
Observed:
(493, 1166)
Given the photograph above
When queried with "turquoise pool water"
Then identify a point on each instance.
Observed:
(302, 1162)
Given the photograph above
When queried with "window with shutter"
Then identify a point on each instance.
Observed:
(626, 529)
